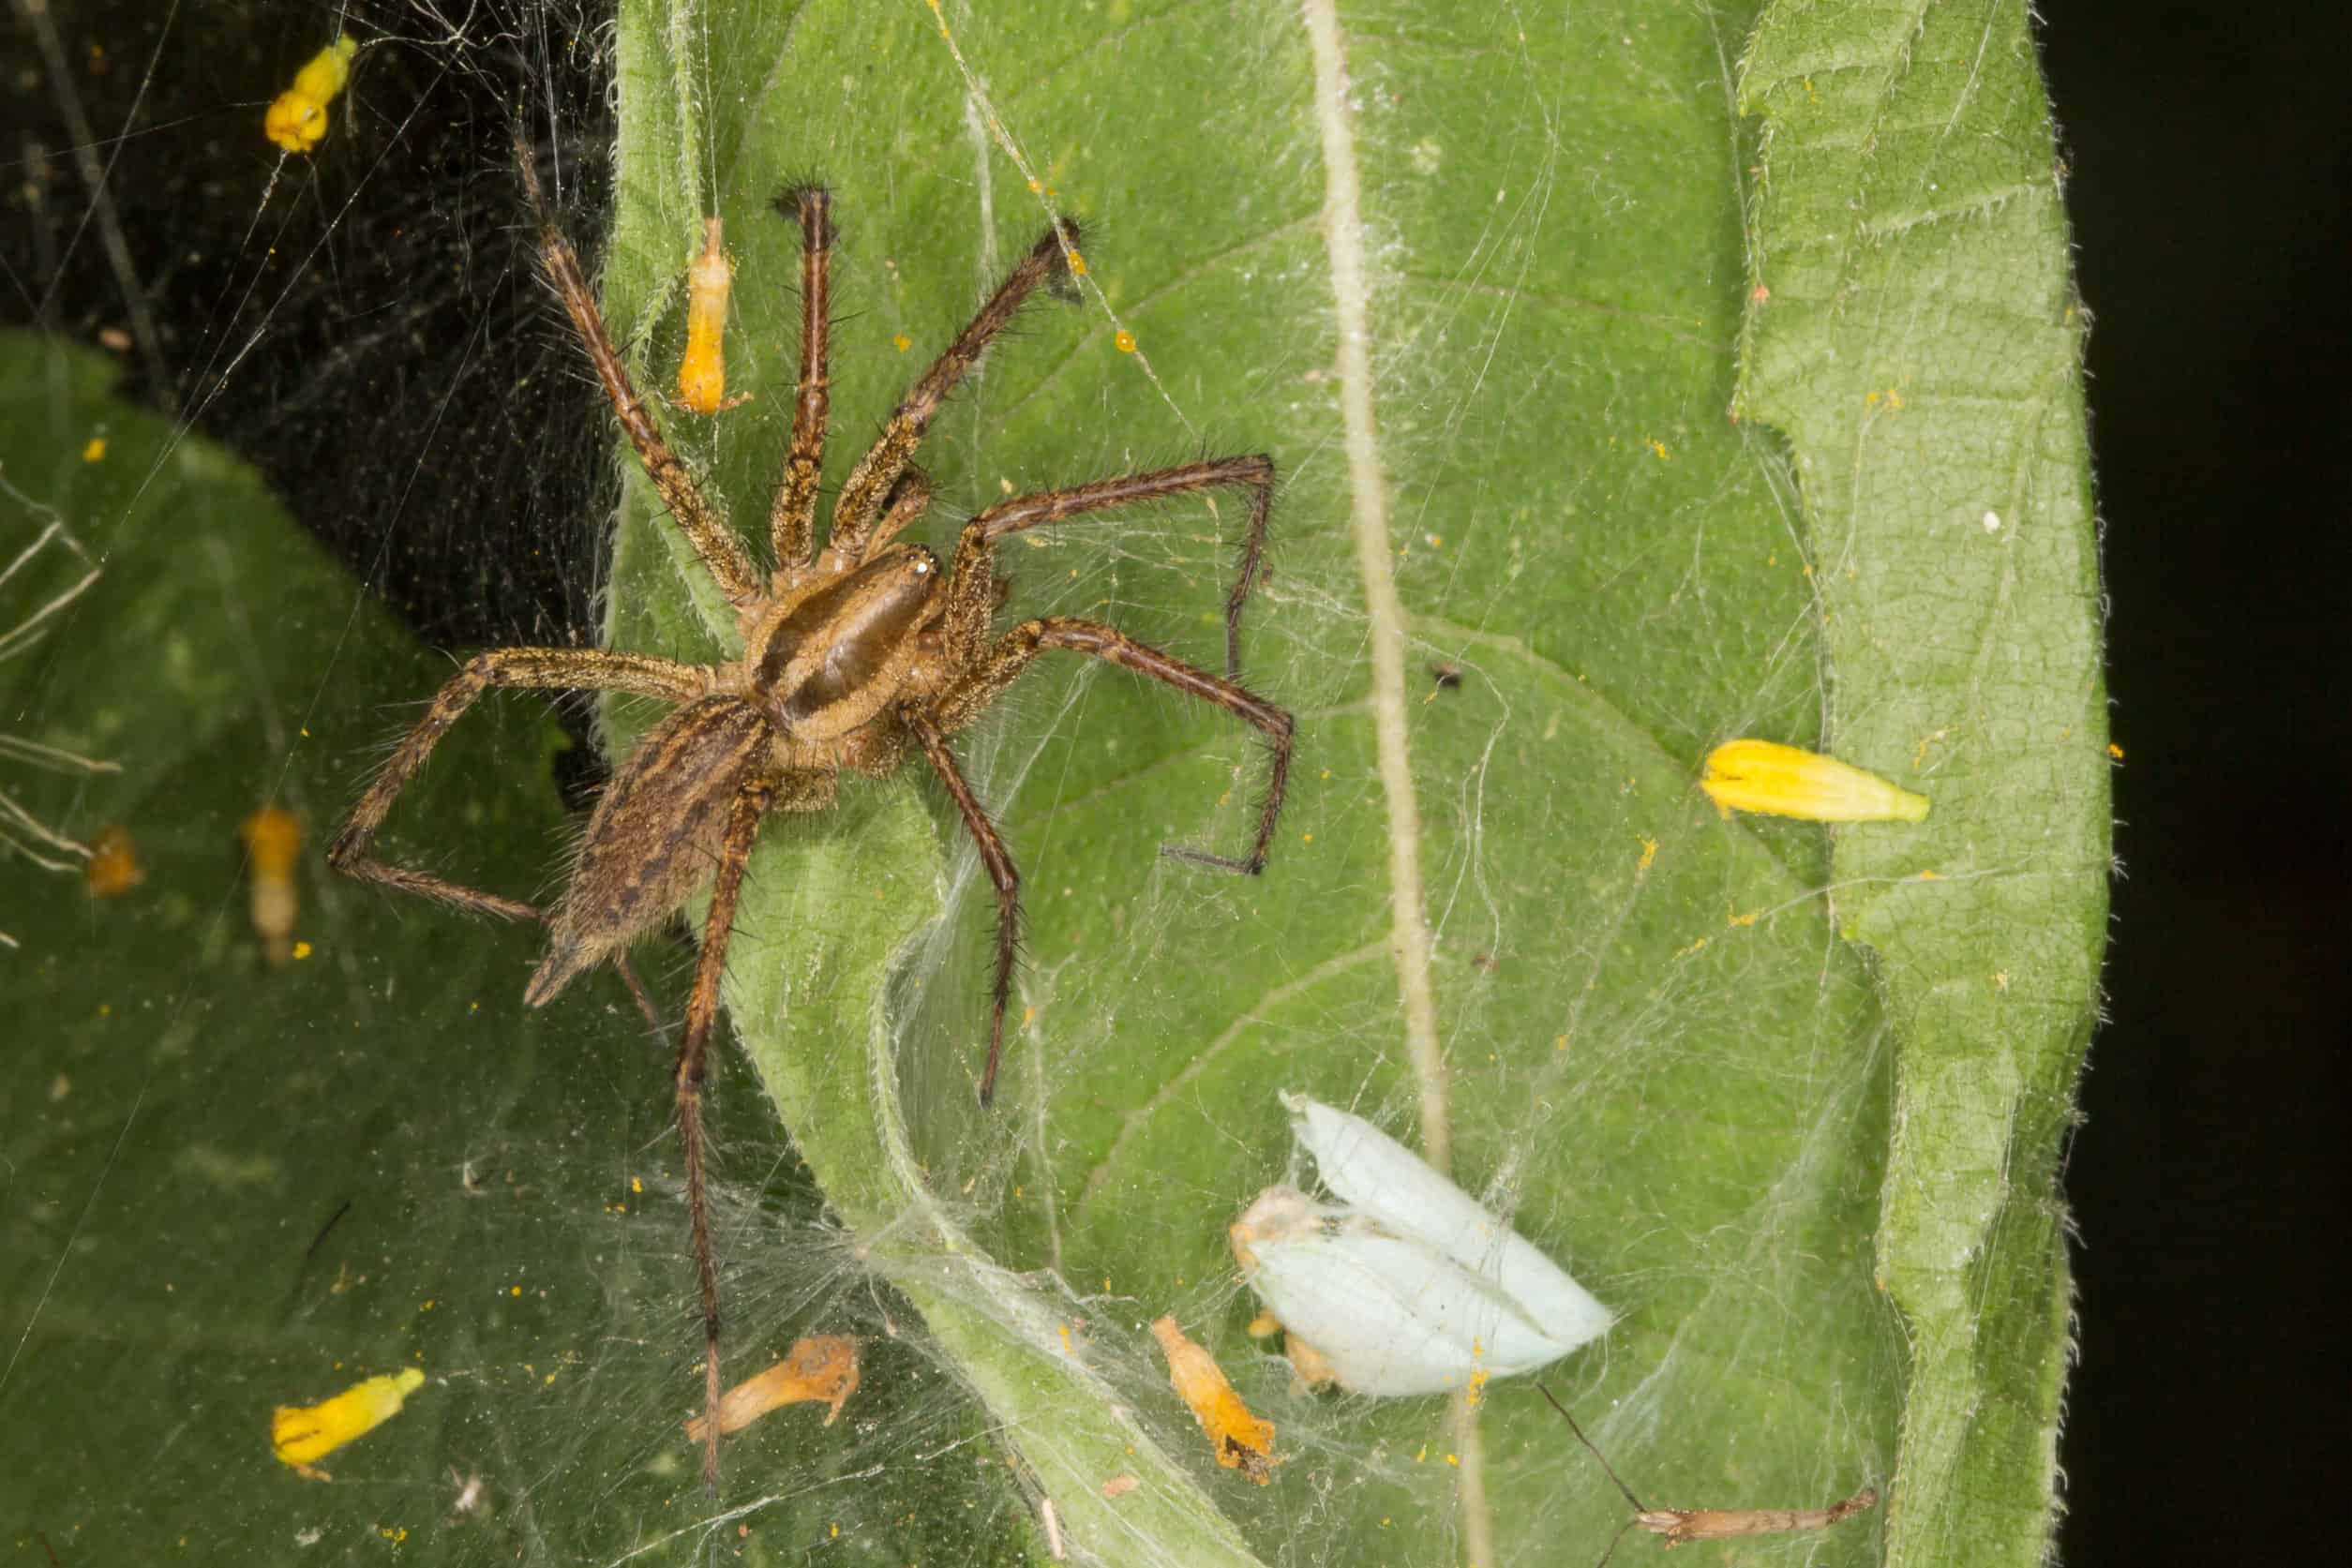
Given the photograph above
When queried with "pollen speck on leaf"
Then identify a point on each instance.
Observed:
(113, 866)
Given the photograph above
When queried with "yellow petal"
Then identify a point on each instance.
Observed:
(275, 838)
(821, 1367)
(1242, 1441)
(702, 369)
(302, 1433)
(296, 120)
(1785, 781)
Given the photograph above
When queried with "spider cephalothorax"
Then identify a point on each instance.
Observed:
(852, 654)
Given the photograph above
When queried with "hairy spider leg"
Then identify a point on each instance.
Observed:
(722, 555)
(1001, 872)
(1607, 1468)
(702, 1004)
(910, 500)
(877, 473)
(792, 518)
(1679, 1526)
(984, 682)
(545, 669)
(967, 618)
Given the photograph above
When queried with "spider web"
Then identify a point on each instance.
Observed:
(241, 1185)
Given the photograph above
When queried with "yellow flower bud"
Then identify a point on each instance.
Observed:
(297, 117)
(1785, 781)
(302, 1433)
(1242, 1441)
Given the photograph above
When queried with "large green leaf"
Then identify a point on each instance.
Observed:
(1477, 281)
(1485, 285)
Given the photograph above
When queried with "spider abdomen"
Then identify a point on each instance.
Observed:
(839, 654)
(655, 835)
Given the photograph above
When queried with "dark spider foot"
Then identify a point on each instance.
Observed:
(1250, 867)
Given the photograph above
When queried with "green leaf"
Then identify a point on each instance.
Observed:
(1477, 283)
(1483, 284)
(1922, 346)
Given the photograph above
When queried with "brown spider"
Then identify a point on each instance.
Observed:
(851, 654)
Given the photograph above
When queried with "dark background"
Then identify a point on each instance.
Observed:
(2209, 181)
(2208, 155)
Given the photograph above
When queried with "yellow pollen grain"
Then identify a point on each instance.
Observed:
(1126, 341)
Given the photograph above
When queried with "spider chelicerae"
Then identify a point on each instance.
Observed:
(854, 655)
